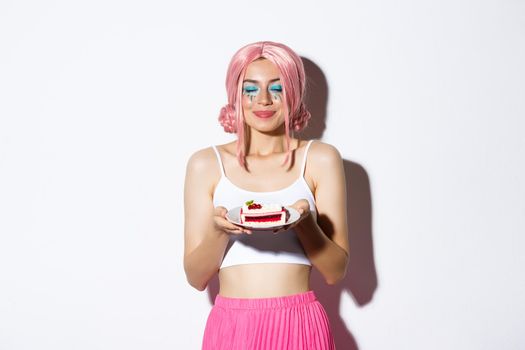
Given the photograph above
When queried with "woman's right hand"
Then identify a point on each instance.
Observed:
(219, 218)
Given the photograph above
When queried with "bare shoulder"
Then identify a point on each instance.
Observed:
(323, 154)
(322, 157)
(203, 169)
(202, 160)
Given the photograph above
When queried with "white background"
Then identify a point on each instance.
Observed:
(102, 103)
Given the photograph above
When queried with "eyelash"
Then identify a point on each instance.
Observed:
(251, 90)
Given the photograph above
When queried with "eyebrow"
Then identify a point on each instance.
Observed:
(257, 81)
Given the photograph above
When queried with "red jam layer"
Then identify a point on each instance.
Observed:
(265, 218)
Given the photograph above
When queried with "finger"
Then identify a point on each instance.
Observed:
(235, 232)
(237, 229)
(225, 225)
(302, 206)
(298, 203)
(234, 229)
(242, 228)
(301, 203)
(220, 211)
(248, 232)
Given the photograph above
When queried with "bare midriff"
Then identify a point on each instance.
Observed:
(264, 280)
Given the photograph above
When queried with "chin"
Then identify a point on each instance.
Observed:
(267, 126)
(274, 130)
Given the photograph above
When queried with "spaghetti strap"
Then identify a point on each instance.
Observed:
(219, 160)
(304, 159)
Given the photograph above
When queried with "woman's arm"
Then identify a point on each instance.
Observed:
(326, 241)
(206, 231)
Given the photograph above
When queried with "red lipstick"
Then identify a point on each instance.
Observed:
(264, 114)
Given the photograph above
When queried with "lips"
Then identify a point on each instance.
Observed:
(264, 114)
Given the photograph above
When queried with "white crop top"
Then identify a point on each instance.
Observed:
(262, 246)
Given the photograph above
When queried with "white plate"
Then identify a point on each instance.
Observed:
(234, 216)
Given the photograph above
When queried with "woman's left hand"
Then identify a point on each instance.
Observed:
(303, 208)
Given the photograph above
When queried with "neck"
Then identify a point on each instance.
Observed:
(260, 144)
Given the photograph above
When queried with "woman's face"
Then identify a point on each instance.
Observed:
(262, 96)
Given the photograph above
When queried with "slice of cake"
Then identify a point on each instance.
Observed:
(260, 215)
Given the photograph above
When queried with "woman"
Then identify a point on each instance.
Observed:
(264, 300)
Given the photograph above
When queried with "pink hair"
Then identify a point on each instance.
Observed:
(293, 80)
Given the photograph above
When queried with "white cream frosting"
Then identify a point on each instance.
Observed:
(266, 208)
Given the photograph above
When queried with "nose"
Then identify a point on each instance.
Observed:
(265, 98)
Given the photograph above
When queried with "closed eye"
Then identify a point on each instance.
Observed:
(277, 88)
(251, 89)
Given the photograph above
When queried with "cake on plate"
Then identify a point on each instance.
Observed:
(263, 214)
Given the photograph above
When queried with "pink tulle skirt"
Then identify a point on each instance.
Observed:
(294, 322)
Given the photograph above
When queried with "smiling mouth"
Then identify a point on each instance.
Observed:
(264, 114)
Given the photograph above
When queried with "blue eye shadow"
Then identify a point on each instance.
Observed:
(277, 87)
(250, 89)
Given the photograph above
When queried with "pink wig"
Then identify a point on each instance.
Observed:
(293, 80)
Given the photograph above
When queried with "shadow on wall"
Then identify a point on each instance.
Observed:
(361, 277)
